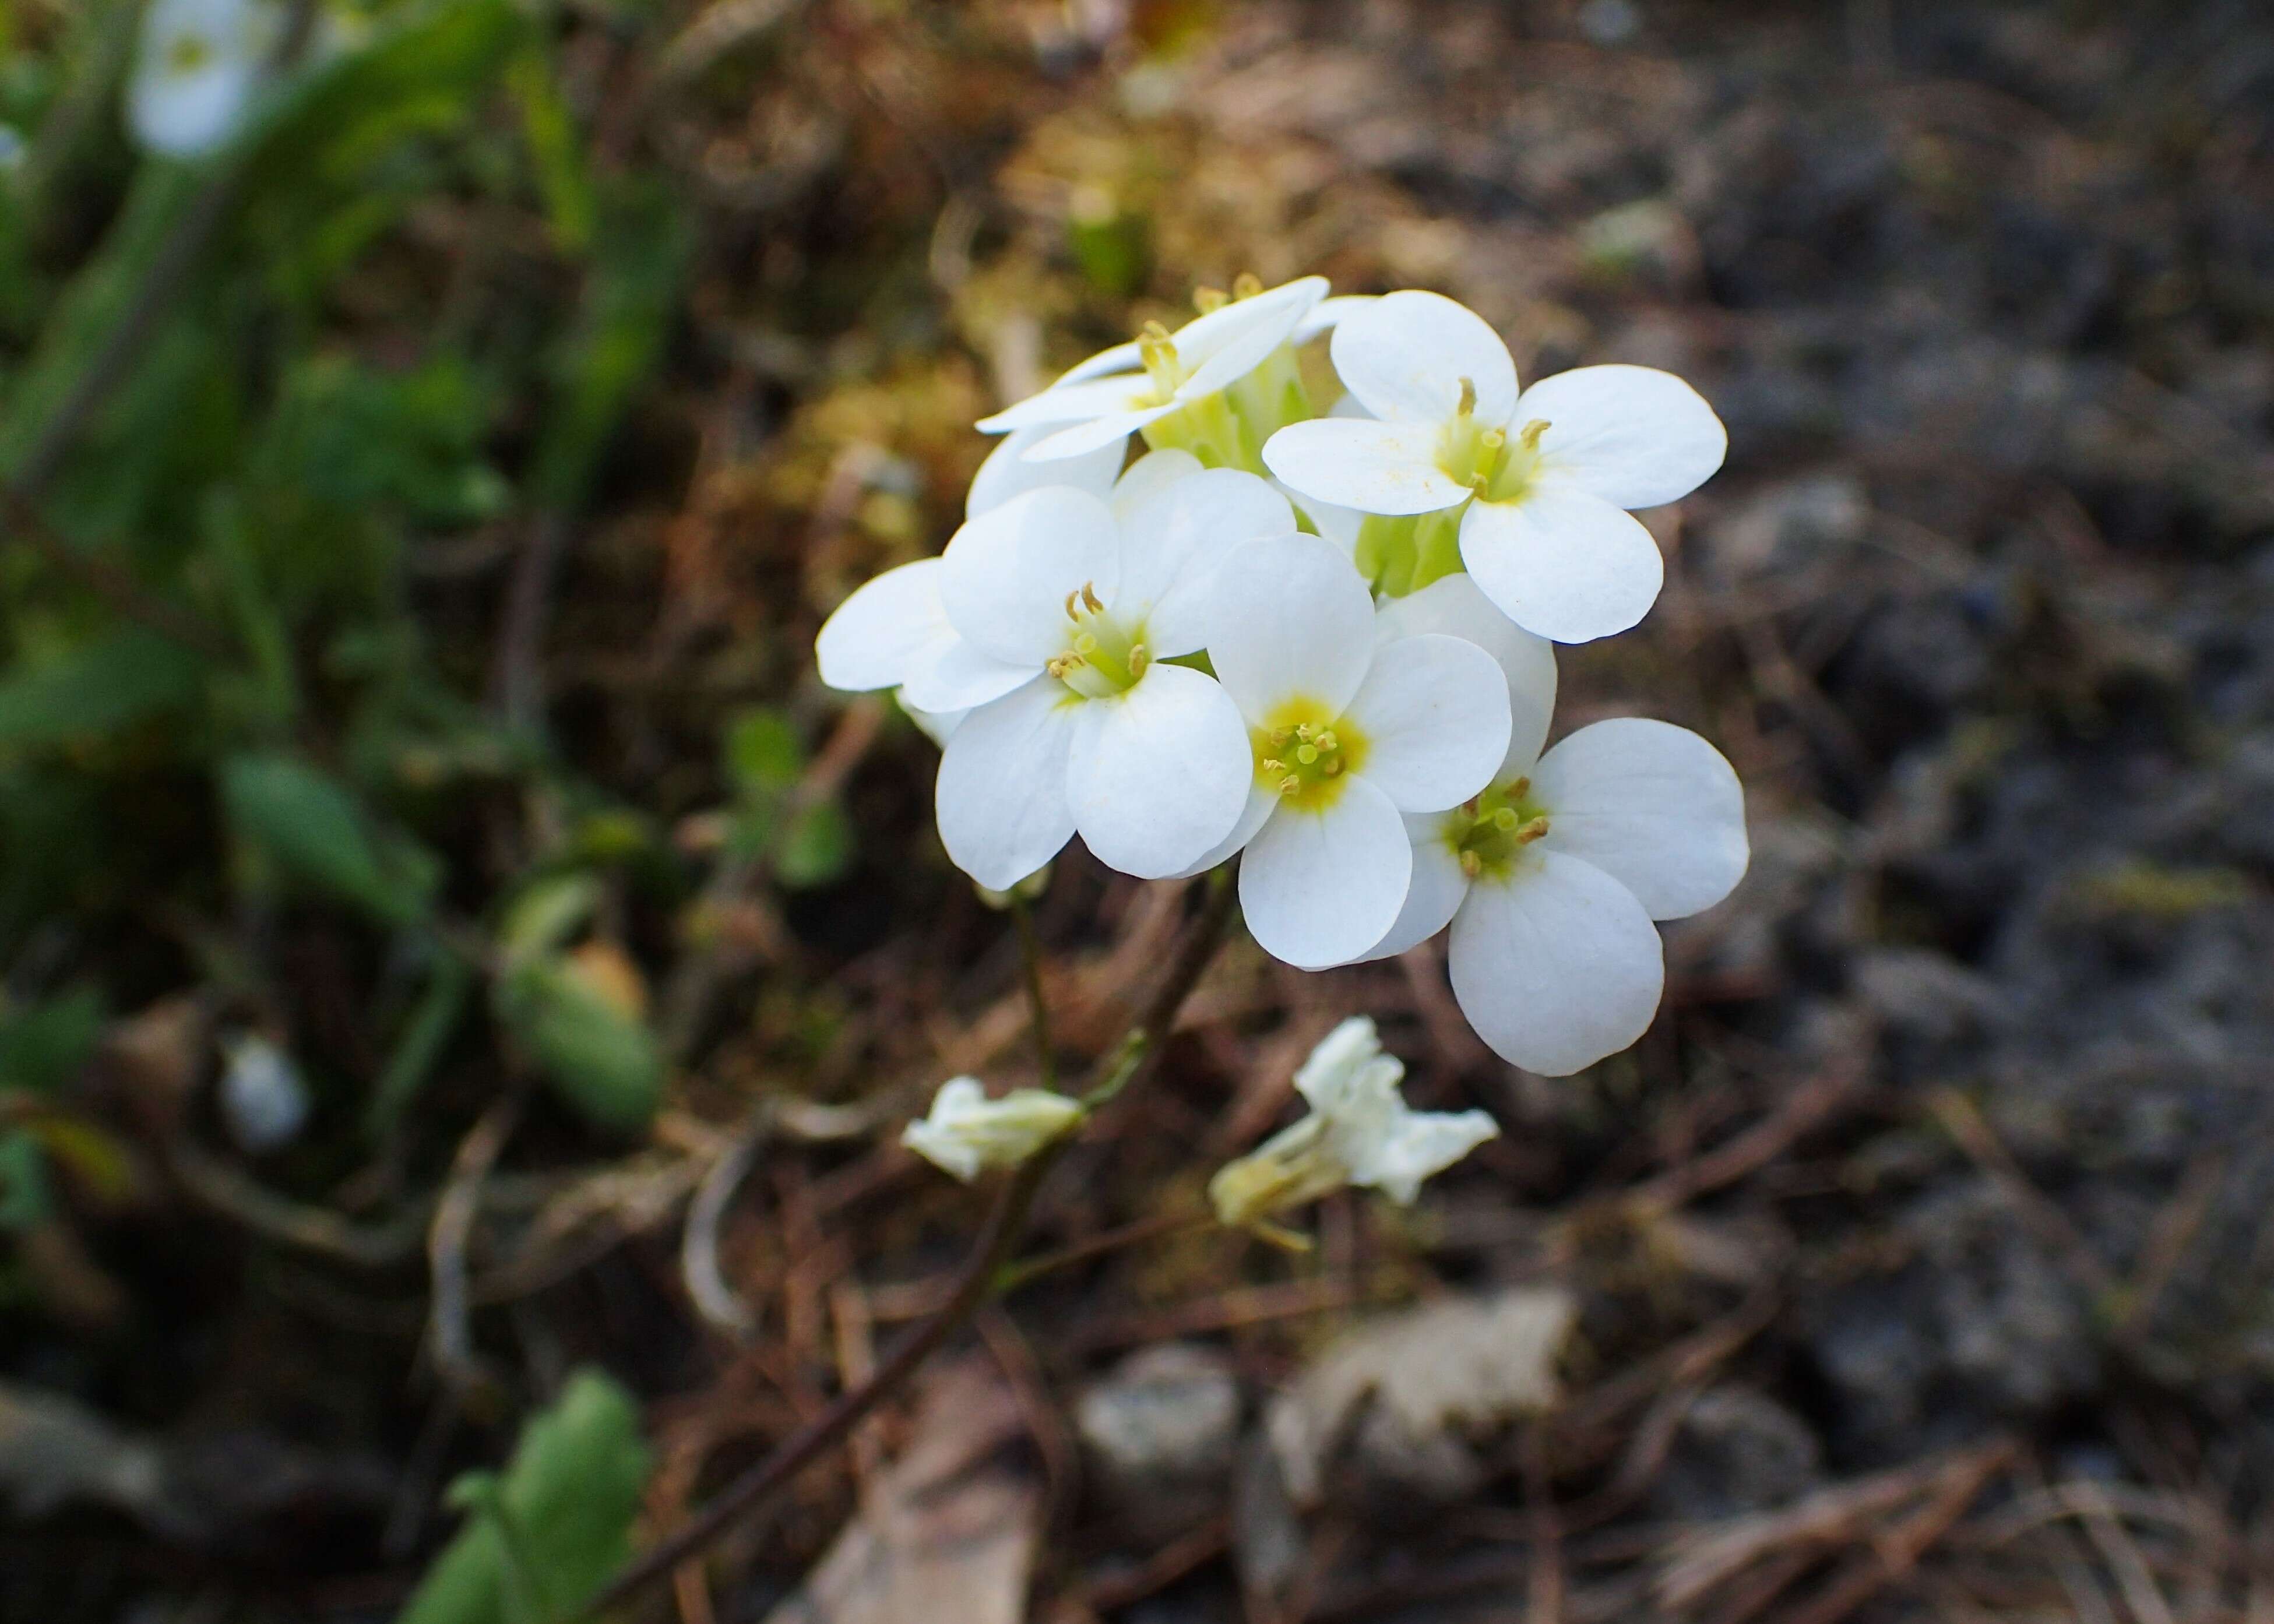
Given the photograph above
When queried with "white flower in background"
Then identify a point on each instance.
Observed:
(1551, 878)
(1543, 478)
(263, 1101)
(1345, 737)
(1360, 1131)
(966, 1132)
(1130, 387)
(195, 70)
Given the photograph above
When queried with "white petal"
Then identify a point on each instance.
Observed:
(189, 115)
(1146, 477)
(958, 676)
(1654, 806)
(1173, 542)
(1561, 563)
(1405, 356)
(1320, 888)
(1127, 357)
(1072, 403)
(1339, 525)
(1083, 439)
(1433, 896)
(1007, 473)
(1230, 341)
(1454, 606)
(937, 725)
(1387, 468)
(1262, 800)
(1002, 792)
(1008, 571)
(1328, 314)
(890, 625)
(1291, 618)
(1433, 711)
(1555, 964)
(1632, 435)
(1418, 1145)
(1159, 774)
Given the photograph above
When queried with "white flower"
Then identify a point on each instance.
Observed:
(1550, 879)
(1360, 1131)
(1546, 476)
(262, 1098)
(1345, 737)
(966, 1132)
(195, 70)
(1119, 391)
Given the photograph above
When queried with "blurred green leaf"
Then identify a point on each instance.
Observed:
(43, 1047)
(24, 1202)
(547, 914)
(546, 1534)
(763, 751)
(415, 1052)
(604, 1062)
(316, 829)
(553, 148)
(816, 848)
(100, 687)
(630, 293)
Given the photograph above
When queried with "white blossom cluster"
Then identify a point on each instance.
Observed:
(1314, 628)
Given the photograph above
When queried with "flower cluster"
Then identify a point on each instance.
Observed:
(1311, 624)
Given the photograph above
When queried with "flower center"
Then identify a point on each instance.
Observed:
(1484, 459)
(188, 53)
(1487, 835)
(1103, 657)
(1162, 365)
(1304, 755)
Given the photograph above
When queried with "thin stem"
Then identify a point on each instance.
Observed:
(976, 1283)
(1158, 1227)
(1038, 1008)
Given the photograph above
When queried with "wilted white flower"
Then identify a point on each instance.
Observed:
(1551, 878)
(194, 72)
(263, 1101)
(1360, 1131)
(966, 1132)
(1344, 738)
(1134, 386)
(1541, 482)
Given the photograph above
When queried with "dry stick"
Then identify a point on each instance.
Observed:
(450, 1338)
(975, 1283)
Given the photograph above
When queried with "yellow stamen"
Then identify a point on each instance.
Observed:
(1089, 597)
(1289, 784)
(1207, 300)
(1471, 864)
(1533, 431)
(1246, 285)
(1468, 405)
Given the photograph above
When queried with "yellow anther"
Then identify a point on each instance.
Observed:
(1532, 432)
(1152, 332)
(1325, 740)
(1307, 754)
(1305, 731)
(1333, 769)
(1089, 597)
(1058, 664)
(1139, 656)
(1206, 299)
(1530, 830)
(1272, 763)
(1280, 735)
(1471, 864)
(1519, 790)
(1468, 404)
(1246, 285)
(1289, 784)
(1071, 613)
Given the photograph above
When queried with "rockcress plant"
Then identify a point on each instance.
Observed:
(1321, 634)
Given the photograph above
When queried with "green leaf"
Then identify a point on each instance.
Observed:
(546, 914)
(316, 829)
(44, 1047)
(603, 1062)
(551, 132)
(816, 848)
(421, 1046)
(24, 1202)
(100, 687)
(548, 1534)
(763, 752)
(630, 294)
